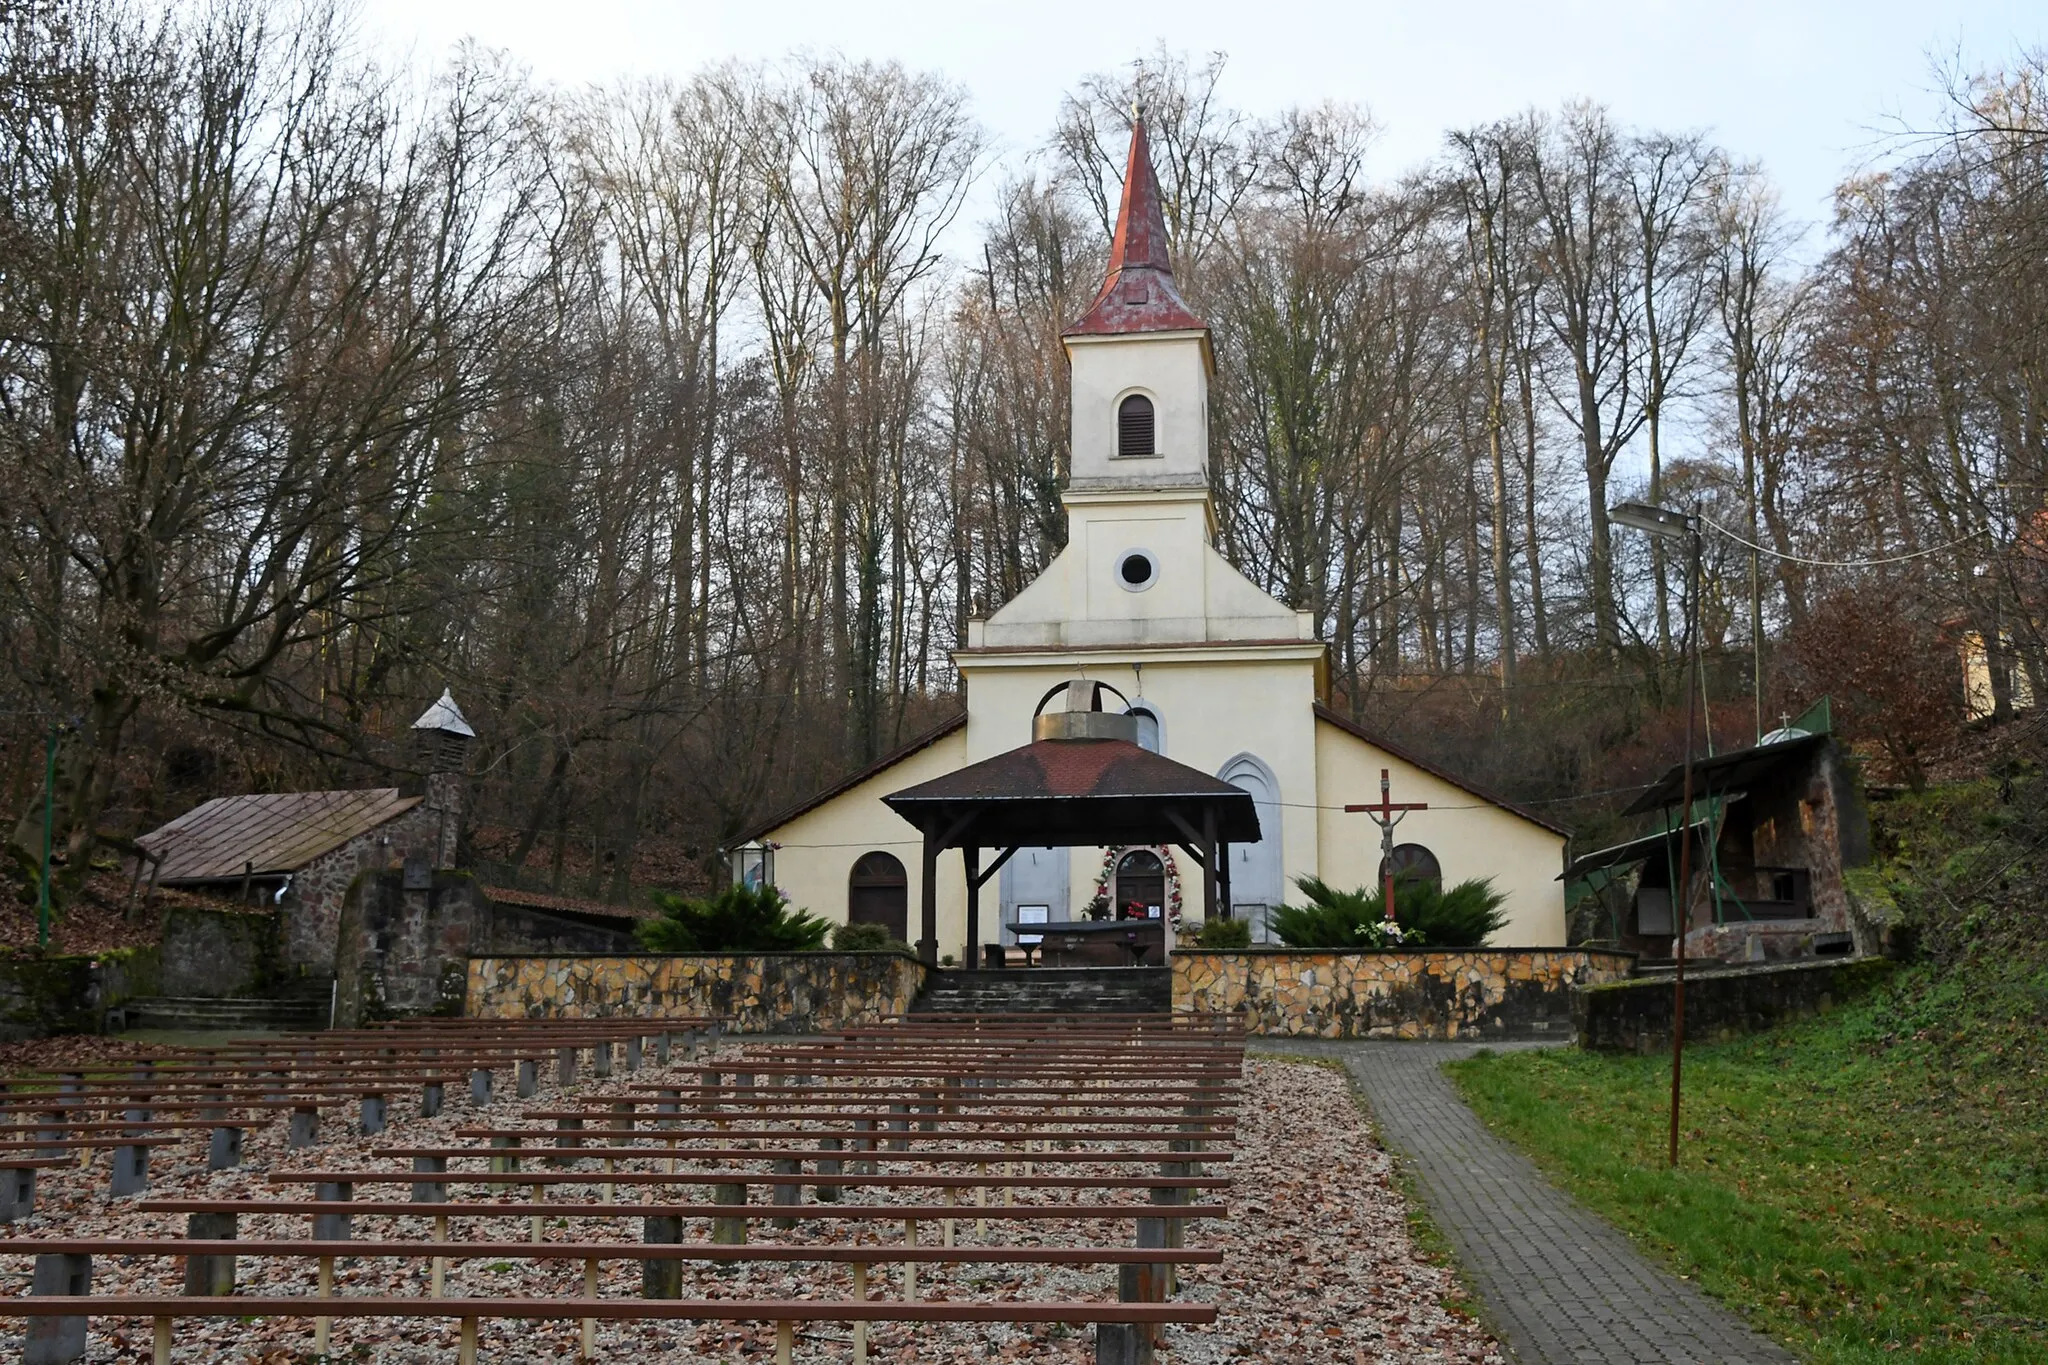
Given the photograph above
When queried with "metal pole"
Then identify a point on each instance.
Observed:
(1756, 638)
(1681, 902)
(49, 827)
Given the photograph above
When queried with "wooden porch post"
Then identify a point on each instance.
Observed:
(1223, 901)
(970, 854)
(1211, 872)
(928, 893)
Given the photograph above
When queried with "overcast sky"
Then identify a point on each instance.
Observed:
(1809, 88)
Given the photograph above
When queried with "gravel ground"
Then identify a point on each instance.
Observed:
(1319, 1266)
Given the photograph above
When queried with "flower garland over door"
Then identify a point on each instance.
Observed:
(1105, 880)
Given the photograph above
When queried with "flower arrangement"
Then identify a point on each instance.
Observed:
(1384, 933)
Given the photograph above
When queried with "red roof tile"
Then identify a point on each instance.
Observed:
(1086, 791)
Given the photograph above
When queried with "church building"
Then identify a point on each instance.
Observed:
(1219, 675)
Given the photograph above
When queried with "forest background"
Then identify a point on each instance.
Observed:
(671, 426)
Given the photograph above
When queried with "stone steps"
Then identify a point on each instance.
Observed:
(194, 1012)
(1049, 990)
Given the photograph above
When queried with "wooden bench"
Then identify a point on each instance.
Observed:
(1123, 1331)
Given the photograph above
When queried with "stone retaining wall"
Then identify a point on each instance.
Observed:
(70, 993)
(757, 993)
(218, 952)
(1635, 1016)
(1445, 993)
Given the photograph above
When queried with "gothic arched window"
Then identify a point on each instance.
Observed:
(1134, 427)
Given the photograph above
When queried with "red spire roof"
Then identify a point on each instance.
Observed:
(1139, 295)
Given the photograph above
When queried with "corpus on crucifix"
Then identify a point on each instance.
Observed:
(1387, 813)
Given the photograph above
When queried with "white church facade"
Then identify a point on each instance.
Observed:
(1222, 677)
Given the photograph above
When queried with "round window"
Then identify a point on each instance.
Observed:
(1137, 570)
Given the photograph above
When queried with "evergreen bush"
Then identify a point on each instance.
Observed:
(1224, 934)
(864, 938)
(738, 919)
(1464, 916)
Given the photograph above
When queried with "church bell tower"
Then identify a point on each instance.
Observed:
(1140, 357)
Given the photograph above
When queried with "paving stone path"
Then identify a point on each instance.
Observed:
(1559, 1285)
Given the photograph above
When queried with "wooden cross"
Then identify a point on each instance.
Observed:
(1387, 814)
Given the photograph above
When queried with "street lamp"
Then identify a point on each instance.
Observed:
(1665, 523)
(753, 865)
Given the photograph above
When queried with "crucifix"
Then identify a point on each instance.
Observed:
(1387, 814)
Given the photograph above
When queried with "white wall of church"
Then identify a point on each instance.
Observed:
(1214, 709)
(1469, 836)
(1167, 368)
(1197, 595)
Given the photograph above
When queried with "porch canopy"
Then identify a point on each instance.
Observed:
(1089, 791)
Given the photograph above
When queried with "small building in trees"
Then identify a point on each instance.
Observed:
(300, 851)
(1218, 676)
(1773, 828)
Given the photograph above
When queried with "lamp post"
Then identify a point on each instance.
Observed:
(1663, 522)
(753, 865)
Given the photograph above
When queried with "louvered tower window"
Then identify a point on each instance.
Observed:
(1134, 427)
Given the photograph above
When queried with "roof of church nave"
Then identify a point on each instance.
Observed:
(1139, 295)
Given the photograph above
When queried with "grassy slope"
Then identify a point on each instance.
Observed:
(1873, 1185)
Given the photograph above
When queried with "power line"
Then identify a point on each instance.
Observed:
(1840, 563)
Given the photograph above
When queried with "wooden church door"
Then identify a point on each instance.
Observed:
(1140, 880)
(878, 892)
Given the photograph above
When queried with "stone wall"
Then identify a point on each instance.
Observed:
(312, 907)
(402, 951)
(527, 931)
(218, 952)
(405, 952)
(1635, 1016)
(757, 993)
(1445, 993)
(72, 993)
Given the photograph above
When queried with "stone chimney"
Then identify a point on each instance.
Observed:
(442, 738)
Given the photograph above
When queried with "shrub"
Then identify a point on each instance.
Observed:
(1465, 916)
(738, 919)
(1224, 934)
(864, 938)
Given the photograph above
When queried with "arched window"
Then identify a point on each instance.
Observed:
(1414, 863)
(878, 892)
(1140, 886)
(1134, 427)
(1150, 737)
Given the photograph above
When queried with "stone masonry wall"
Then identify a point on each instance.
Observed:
(1635, 1016)
(217, 952)
(1441, 994)
(71, 993)
(312, 909)
(403, 952)
(757, 993)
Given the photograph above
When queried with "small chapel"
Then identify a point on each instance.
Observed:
(1141, 633)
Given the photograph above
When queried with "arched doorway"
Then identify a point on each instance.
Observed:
(1141, 882)
(1255, 881)
(878, 892)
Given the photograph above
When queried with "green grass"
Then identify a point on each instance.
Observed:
(1868, 1186)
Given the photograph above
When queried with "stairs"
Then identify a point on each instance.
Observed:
(303, 1005)
(1048, 990)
